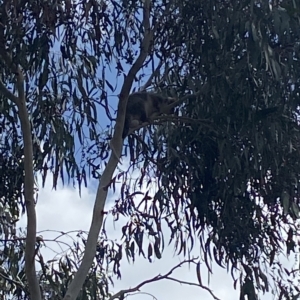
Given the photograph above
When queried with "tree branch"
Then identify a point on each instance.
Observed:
(7, 93)
(20, 101)
(162, 119)
(12, 281)
(195, 284)
(122, 293)
(181, 100)
(154, 279)
(149, 81)
(117, 142)
(33, 284)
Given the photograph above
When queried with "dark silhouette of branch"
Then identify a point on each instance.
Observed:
(195, 284)
(121, 294)
(18, 283)
(6, 93)
(149, 81)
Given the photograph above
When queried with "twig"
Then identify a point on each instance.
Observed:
(122, 293)
(149, 81)
(195, 284)
(6, 93)
(181, 119)
(117, 142)
(155, 278)
(18, 283)
(181, 100)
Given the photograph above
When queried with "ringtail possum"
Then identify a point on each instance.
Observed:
(143, 106)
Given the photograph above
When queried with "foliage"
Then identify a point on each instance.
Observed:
(226, 165)
(230, 161)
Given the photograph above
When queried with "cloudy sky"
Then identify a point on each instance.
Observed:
(64, 210)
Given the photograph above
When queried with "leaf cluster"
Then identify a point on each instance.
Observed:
(227, 166)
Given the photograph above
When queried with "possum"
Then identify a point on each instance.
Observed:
(143, 106)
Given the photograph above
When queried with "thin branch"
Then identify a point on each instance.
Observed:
(180, 119)
(153, 279)
(7, 93)
(149, 81)
(181, 100)
(195, 284)
(122, 293)
(144, 293)
(117, 143)
(18, 283)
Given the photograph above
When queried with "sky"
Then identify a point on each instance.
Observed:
(64, 210)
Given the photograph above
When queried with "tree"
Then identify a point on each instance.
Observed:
(225, 164)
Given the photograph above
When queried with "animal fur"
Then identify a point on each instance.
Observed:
(142, 106)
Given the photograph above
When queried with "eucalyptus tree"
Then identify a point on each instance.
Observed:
(225, 164)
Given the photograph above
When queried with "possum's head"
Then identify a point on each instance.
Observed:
(166, 106)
